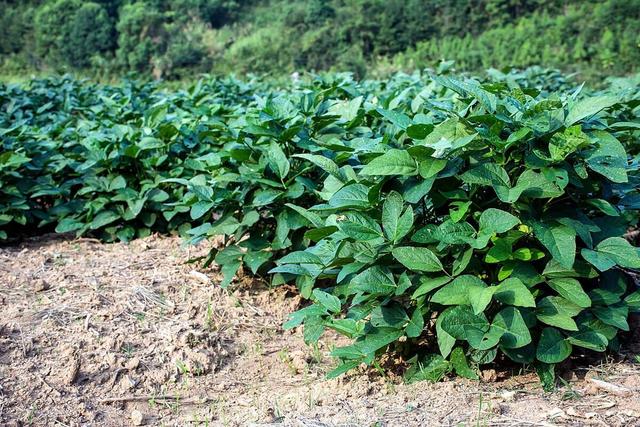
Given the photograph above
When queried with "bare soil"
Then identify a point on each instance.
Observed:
(129, 334)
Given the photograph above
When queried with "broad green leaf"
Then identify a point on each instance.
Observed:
(587, 107)
(457, 292)
(460, 365)
(552, 347)
(300, 257)
(104, 218)
(633, 301)
(571, 290)
(558, 312)
(460, 321)
(490, 175)
(417, 258)
(396, 224)
(513, 292)
(588, 339)
(428, 284)
(392, 315)
(515, 333)
(416, 324)
(323, 163)
(360, 227)
(431, 167)
(559, 240)
(278, 160)
(374, 280)
(615, 315)
(353, 195)
(608, 157)
(393, 162)
(497, 221)
(620, 251)
(432, 368)
(328, 301)
(445, 341)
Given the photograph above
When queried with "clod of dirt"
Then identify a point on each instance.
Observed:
(508, 396)
(497, 408)
(298, 360)
(41, 285)
(489, 376)
(136, 418)
(133, 364)
(70, 372)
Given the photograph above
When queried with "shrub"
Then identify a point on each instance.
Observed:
(71, 32)
(92, 34)
(141, 36)
(451, 221)
(487, 227)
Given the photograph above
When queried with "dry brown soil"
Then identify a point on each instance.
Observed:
(129, 334)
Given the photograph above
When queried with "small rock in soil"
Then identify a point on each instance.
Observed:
(133, 364)
(70, 372)
(41, 285)
(489, 376)
(137, 418)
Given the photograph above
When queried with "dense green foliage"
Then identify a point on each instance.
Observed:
(175, 39)
(452, 220)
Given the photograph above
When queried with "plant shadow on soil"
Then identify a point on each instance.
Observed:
(124, 334)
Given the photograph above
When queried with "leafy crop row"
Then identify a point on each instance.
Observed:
(455, 221)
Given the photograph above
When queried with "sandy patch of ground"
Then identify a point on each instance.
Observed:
(127, 334)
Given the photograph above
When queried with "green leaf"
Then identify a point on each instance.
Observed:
(445, 341)
(559, 240)
(278, 160)
(328, 301)
(353, 195)
(633, 301)
(490, 175)
(458, 291)
(374, 280)
(588, 339)
(392, 315)
(614, 249)
(557, 311)
(552, 347)
(614, 315)
(515, 333)
(587, 107)
(396, 224)
(360, 227)
(460, 365)
(393, 162)
(427, 284)
(300, 257)
(431, 167)
(604, 207)
(571, 290)
(104, 218)
(432, 368)
(416, 324)
(417, 258)
(378, 338)
(342, 368)
(608, 157)
(497, 221)
(323, 163)
(513, 292)
(461, 320)
(399, 119)
(480, 297)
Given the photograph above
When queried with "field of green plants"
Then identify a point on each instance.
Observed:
(456, 221)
